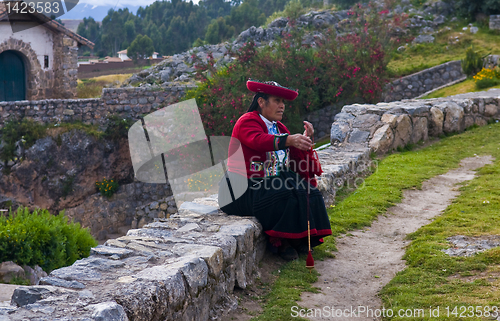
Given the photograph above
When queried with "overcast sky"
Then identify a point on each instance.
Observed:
(121, 3)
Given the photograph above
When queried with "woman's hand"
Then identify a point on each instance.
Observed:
(309, 130)
(299, 141)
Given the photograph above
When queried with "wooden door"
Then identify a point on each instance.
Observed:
(12, 77)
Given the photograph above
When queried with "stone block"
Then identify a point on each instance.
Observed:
(109, 250)
(9, 270)
(420, 130)
(454, 117)
(402, 133)
(389, 119)
(212, 255)
(382, 140)
(490, 110)
(468, 121)
(61, 283)
(187, 207)
(358, 136)
(365, 121)
(339, 131)
(494, 22)
(194, 270)
(108, 311)
(436, 121)
(25, 295)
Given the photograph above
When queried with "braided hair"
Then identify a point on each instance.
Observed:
(255, 103)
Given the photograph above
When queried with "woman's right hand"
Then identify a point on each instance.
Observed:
(299, 141)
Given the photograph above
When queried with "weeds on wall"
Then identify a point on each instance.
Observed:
(16, 134)
(472, 63)
(40, 238)
(106, 187)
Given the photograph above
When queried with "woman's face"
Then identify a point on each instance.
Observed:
(273, 108)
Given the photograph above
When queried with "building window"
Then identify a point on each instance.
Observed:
(46, 61)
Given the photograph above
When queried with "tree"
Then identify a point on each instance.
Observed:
(218, 31)
(470, 8)
(141, 48)
(246, 15)
(91, 30)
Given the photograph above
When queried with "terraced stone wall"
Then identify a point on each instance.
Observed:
(424, 81)
(124, 102)
(388, 126)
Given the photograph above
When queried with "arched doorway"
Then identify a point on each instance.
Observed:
(12, 76)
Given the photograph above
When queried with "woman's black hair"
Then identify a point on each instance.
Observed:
(255, 103)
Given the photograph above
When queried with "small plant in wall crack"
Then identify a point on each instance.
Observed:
(106, 187)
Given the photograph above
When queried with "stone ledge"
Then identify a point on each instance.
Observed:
(397, 124)
(181, 268)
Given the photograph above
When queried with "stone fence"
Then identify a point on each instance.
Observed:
(119, 213)
(424, 81)
(388, 126)
(186, 266)
(494, 22)
(124, 102)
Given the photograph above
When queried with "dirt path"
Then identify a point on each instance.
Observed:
(369, 259)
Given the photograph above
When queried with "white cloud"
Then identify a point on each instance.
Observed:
(120, 3)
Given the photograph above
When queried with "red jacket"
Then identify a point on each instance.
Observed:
(251, 135)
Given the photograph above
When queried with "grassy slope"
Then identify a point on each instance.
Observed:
(460, 88)
(419, 57)
(413, 287)
(92, 88)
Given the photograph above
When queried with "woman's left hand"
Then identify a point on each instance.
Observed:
(309, 130)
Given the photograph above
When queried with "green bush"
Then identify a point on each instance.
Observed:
(472, 63)
(40, 238)
(351, 67)
(117, 128)
(106, 188)
(26, 131)
(471, 8)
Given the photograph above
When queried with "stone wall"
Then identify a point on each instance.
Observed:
(388, 126)
(424, 81)
(124, 102)
(495, 22)
(182, 268)
(322, 119)
(105, 216)
(65, 67)
(186, 266)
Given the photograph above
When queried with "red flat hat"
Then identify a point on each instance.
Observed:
(272, 88)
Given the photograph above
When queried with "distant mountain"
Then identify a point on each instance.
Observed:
(85, 10)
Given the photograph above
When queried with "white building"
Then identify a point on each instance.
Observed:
(38, 56)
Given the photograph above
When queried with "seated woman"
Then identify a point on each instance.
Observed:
(276, 195)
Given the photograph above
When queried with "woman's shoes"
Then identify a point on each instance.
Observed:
(288, 253)
(303, 249)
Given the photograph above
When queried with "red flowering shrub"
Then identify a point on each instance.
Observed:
(346, 67)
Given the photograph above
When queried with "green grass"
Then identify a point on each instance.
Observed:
(414, 287)
(422, 56)
(463, 87)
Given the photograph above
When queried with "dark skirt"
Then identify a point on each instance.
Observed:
(280, 205)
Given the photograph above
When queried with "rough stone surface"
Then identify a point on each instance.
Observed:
(108, 311)
(9, 270)
(382, 140)
(494, 22)
(454, 116)
(469, 246)
(436, 122)
(422, 82)
(403, 131)
(411, 121)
